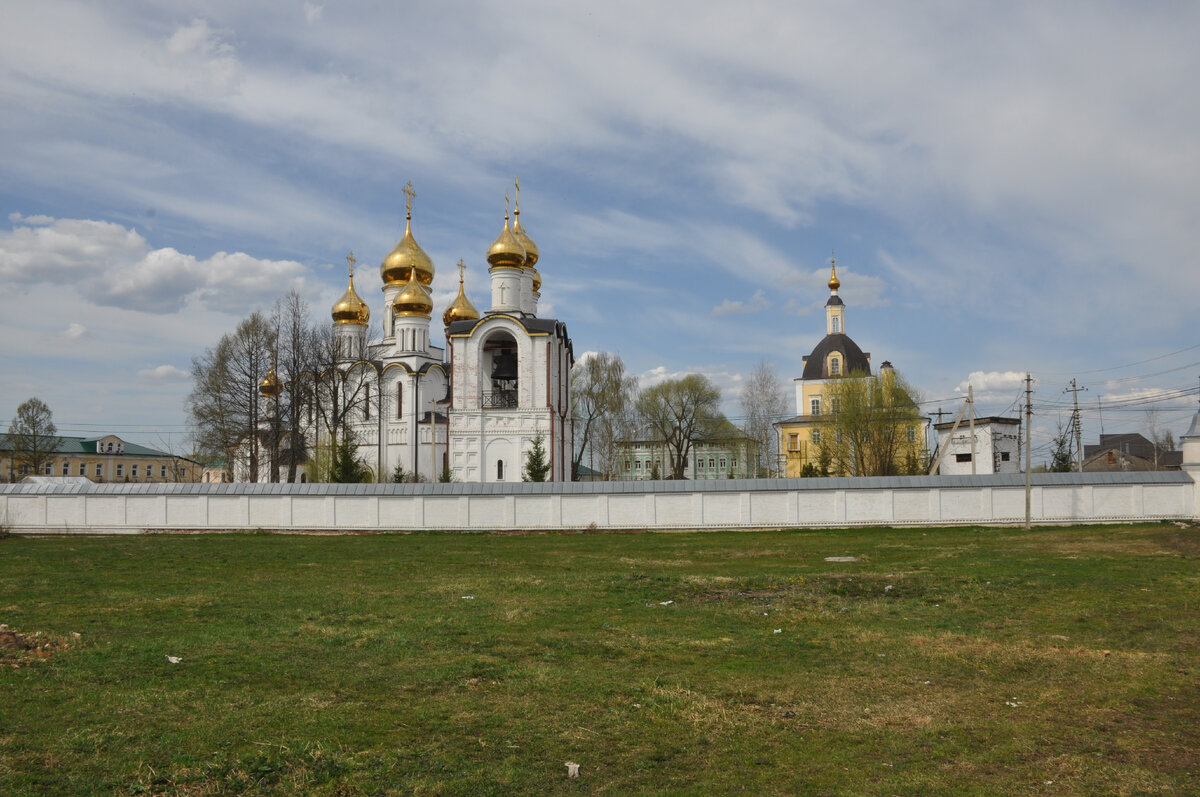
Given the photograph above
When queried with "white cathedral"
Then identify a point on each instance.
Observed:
(474, 407)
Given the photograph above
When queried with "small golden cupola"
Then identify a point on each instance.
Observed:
(350, 309)
(834, 283)
(461, 308)
(270, 386)
(414, 300)
(506, 251)
(407, 256)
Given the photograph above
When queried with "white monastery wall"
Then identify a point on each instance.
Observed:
(752, 503)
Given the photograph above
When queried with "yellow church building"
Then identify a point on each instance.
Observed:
(835, 357)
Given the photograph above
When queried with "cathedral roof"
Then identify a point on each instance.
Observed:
(854, 360)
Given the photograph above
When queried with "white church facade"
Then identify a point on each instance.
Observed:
(472, 409)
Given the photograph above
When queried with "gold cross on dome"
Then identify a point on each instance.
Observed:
(411, 194)
(462, 269)
(517, 200)
(350, 259)
(506, 205)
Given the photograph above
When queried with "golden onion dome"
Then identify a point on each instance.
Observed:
(270, 386)
(350, 309)
(406, 258)
(834, 284)
(506, 251)
(414, 300)
(461, 308)
(537, 280)
(531, 250)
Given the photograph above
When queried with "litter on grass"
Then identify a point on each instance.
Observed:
(572, 769)
(841, 559)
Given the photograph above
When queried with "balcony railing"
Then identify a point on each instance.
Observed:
(499, 399)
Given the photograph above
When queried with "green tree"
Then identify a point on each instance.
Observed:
(536, 463)
(678, 412)
(32, 437)
(873, 426)
(346, 467)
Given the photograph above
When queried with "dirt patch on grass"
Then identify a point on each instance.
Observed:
(1165, 542)
(21, 649)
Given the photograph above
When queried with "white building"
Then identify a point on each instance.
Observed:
(504, 383)
(997, 446)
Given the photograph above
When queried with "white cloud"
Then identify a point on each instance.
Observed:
(164, 373)
(113, 265)
(992, 381)
(205, 63)
(754, 304)
(312, 12)
(75, 331)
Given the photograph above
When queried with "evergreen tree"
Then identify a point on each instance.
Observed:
(1060, 452)
(345, 468)
(536, 464)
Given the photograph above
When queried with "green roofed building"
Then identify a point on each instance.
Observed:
(102, 459)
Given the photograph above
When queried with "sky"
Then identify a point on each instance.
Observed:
(1007, 187)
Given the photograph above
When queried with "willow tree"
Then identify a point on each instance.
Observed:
(601, 394)
(873, 427)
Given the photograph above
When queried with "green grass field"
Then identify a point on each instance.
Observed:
(944, 661)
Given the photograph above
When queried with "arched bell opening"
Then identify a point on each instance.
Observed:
(499, 368)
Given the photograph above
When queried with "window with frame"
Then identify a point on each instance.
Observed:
(814, 406)
(49, 471)
(723, 466)
(120, 470)
(99, 470)
(1004, 456)
(82, 468)
(499, 470)
(399, 401)
(835, 366)
(816, 436)
(835, 405)
(367, 401)
(837, 436)
(836, 324)
(710, 463)
(794, 441)
(162, 472)
(133, 471)
(66, 469)
(962, 457)
(910, 433)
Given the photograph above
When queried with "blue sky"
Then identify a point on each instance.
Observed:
(1008, 187)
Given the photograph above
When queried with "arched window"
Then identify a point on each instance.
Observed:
(835, 366)
(499, 470)
(399, 400)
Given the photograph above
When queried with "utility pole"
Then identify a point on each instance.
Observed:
(1028, 441)
(1078, 431)
(971, 401)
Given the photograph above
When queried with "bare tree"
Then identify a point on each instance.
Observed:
(224, 404)
(296, 362)
(678, 412)
(1161, 439)
(763, 403)
(32, 437)
(601, 393)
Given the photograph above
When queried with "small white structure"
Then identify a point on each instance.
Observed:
(997, 446)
